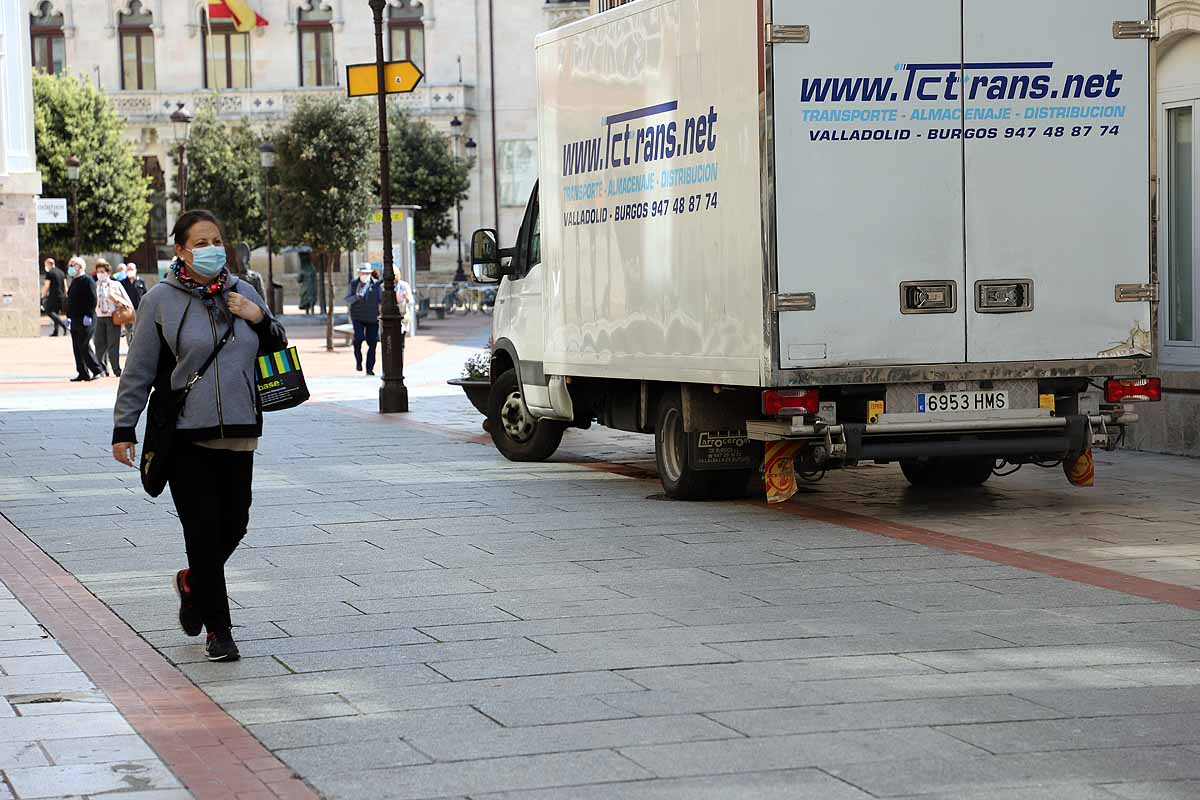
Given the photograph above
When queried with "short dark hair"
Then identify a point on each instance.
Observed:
(189, 218)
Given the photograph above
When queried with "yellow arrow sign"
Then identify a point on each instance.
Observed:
(399, 77)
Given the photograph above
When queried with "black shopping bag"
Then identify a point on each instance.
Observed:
(280, 380)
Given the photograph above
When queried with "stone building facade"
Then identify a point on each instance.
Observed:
(20, 183)
(152, 55)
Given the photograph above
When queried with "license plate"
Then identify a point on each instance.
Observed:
(952, 402)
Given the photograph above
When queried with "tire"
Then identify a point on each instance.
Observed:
(516, 433)
(948, 473)
(680, 480)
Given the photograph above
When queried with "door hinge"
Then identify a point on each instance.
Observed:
(805, 301)
(788, 34)
(1136, 29)
(1137, 293)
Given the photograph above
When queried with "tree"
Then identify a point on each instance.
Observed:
(326, 174)
(426, 173)
(224, 175)
(72, 117)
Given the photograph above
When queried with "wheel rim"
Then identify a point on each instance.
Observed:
(515, 418)
(672, 451)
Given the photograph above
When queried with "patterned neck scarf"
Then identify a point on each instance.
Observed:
(200, 289)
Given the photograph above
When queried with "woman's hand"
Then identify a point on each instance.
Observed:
(125, 452)
(245, 309)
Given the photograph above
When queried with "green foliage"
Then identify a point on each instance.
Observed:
(327, 166)
(425, 173)
(224, 175)
(72, 117)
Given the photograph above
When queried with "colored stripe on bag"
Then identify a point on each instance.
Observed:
(264, 367)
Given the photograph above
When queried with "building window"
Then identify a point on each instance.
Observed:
(46, 31)
(1181, 243)
(406, 33)
(137, 48)
(316, 48)
(517, 166)
(226, 56)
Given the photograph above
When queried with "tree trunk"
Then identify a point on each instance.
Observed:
(328, 259)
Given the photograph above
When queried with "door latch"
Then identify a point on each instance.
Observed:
(928, 297)
(805, 301)
(1137, 293)
(1136, 29)
(788, 34)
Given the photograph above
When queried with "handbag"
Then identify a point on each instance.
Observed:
(162, 415)
(124, 315)
(280, 380)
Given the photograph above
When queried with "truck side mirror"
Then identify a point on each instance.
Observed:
(485, 256)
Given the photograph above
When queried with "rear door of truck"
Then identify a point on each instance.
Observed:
(959, 181)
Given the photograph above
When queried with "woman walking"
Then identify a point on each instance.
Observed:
(182, 321)
(110, 295)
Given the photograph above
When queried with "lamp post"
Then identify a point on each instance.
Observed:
(181, 121)
(73, 177)
(393, 395)
(456, 135)
(266, 157)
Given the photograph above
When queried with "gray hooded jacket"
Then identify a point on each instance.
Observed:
(177, 330)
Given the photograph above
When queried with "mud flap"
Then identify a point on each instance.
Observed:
(1081, 471)
(779, 470)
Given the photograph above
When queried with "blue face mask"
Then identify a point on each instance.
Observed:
(71, 272)
(207, 262)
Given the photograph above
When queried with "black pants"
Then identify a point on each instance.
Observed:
(365, 332)
(57, 320)
(211, 490)
(81, 343)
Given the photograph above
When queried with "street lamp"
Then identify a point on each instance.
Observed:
(456, 126)
(266, 157)
(181, 121)
(73, 177)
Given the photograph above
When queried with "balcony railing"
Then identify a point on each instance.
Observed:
(267, 104)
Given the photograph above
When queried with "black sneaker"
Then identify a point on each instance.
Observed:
(221, 647)
(189, 616)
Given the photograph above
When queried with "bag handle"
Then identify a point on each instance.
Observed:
(198, 374)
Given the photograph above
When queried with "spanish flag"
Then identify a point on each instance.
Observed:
(244, 17)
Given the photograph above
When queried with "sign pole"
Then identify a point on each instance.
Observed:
(393, 395)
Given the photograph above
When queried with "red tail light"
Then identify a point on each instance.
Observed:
(1143, 390)
(793, 401)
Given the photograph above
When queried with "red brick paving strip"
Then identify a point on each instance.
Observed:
(208, 750)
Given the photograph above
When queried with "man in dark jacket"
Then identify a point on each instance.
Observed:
(54, 295)
(365, 299)
(81, 310)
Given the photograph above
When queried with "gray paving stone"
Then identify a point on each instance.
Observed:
(901, 643)
(280, 709)
(424, 619)
(790, 752)
(1116, 702)
(1155, 790)
(1180, 674)
(98, 749)
(204, 672)
(1147, 730)
(569, 736)
(1082, 633)
(1066, 656)
(539, 629)
(1033, 792)
(881, 715)
(490, 651)
(761, 613)
(62, 726)
(1145, 612)
(525, 689)
(769, 672)
(344, 681)
(342, 730)
(354, 757)
(493, 774)
(932, 775)
(550, 711)
(479, 668)
(796, 784)
(78, 779)
(289, 645)
(21, 754)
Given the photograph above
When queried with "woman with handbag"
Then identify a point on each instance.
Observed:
(199, 336)
(112, 304)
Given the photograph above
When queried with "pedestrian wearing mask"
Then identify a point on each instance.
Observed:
(110, 295)
(202, 309)
(81, 311)
(126, 274)
(365, 300)
(54, 296)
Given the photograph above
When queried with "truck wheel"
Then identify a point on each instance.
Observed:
(517, 434)
(948, 473)
(680, 480)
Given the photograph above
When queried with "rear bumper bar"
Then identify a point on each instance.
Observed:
(1039, 438)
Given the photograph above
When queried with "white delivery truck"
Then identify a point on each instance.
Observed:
(913, 231)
